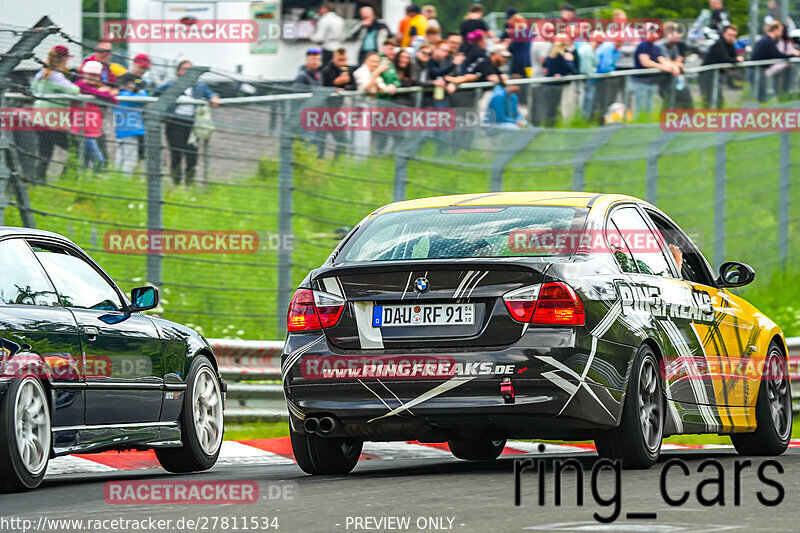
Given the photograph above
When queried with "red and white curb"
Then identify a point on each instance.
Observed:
(278, 451)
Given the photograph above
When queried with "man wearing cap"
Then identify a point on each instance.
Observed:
(140, 67)
(309, 75)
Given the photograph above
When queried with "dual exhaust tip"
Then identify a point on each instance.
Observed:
(323, 425)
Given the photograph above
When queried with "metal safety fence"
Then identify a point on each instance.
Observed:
(251, 166)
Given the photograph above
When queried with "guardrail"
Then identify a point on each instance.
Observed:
(251, 361)
(243, 362)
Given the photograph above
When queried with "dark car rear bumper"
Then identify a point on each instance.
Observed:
(551, 400)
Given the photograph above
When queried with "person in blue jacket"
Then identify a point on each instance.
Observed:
(503, 109)
(128, 123)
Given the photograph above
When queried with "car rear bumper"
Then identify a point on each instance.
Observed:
(552, 398)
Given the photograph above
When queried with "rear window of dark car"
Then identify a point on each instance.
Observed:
(460, 232)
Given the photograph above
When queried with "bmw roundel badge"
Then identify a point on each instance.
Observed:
(421, 284)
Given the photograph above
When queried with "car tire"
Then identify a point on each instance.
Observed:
(318, 455)
(636, 442)
(773, 410)
(25, 435)
(477, 450)
(201, 422)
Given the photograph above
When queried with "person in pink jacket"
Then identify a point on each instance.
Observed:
(88, 118)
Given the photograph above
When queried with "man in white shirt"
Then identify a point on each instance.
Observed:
(329, 32)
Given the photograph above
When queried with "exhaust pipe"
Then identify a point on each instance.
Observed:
(311, 425)
(326, 424)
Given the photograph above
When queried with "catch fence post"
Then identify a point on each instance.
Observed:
(154, 115)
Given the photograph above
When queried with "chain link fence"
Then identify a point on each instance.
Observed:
(252, 168)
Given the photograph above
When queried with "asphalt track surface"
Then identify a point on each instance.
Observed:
(477, 497)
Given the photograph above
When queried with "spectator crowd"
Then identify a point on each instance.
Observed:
(418, 54)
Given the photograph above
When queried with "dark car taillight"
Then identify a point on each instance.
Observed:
(522, 302)
(312, 310)
(553, 303)
(559, 305)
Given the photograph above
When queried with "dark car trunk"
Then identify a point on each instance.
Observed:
(464, 297)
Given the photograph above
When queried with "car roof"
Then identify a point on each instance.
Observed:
(15, 231)
(554, 198)
(6, 231)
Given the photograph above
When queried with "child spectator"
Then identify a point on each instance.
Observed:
(128, 123)
(90, 121)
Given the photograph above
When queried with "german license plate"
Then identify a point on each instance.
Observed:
(390, 316)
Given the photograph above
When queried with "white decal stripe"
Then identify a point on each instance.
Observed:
(561, 382)
(695, 379)
(393, 394)
(604, 325)
(295, 411)
(463, 282)
(376, 395)
(408, 282)
(368, 336)
(476, 284)
(436, 391)
(295, 356)
(673, 411)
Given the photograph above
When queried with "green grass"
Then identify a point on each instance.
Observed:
(234, 296)
(249, 431)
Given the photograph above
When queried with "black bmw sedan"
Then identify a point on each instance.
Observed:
(82, 370)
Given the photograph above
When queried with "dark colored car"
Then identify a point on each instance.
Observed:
(82, 370)
(475, 318)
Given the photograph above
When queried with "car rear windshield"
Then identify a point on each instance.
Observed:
(459, 232)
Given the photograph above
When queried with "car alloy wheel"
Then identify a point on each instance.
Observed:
(778, 393)
(207, 410)
(32, 423)
(649, 402)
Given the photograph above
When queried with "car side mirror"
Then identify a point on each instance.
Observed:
(735, 274)
(144, 298)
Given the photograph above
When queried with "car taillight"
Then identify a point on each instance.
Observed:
(558, 305)
(522, 302)
(312, 310)
(553, 303)
(329, 308)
